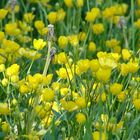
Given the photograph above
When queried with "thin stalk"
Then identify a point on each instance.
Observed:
(28, 72)
(132, 23)
(48, 59)
(88, 5)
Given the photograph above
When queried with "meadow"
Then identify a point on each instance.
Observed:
(69, 69)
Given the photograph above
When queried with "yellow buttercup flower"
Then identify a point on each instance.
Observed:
(39, 24)
(52, 17)
(103, 74)
(136, 104)
(10, 46)
(14, 78)
(70, 106)
(61, 15)
(94, 65)
(47, 94)
(12, 29)
(83, 65)
(126, 54)
(81, 102)
(82, 36)
(80, 3)
(4, 82)
(69, 3)
(121, 9)
(47, 79)
(63, 41)
(103, 97)
(3, 13)
(98, 28)
(5, 127)
(112, 43)
(4, 109)
(29, 17)
(62, 73)
(124, 69)
(74, 41)
(104, 118)
(55, 86)
(23, 88)
(62, 58)
(90, 17)
(109, 12)
(2, 67)
(39, 44)
(116, 88)
(2, 36)
(12, 70)
(117, 49)
(133, 67)
(80, 118)
(121, 96)
(96, 135)
(137, 23)
(96, 12)
(92, 47)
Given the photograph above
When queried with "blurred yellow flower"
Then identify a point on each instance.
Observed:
(97, 135)
(63, 41)
(4, 109)
(5, 127)
(52, 17)
(69, 3)
(39, 44)
(136, 104)
(80, 3)
(81, 102)
(116, 88)
(98, 28)
(103, 74)
(61, 15)
(29, 17)
(92, 47)
(3, 13)
(47, 94)
(62, 58)
(12, 29)
(12, 70)
(2, 36)
(39, 25)
(94, 65)
(80, 118)
(126, 54)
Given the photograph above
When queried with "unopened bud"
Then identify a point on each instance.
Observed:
(122, 22)
(50, 32)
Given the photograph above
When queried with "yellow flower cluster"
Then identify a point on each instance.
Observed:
(69, 69)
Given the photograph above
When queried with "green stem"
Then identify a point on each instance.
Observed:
(48, 59)
(88, 5)
(28, 72)
(132, 22)
(1, 24)
(13, 16)
(24, 7)
(32, 116)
